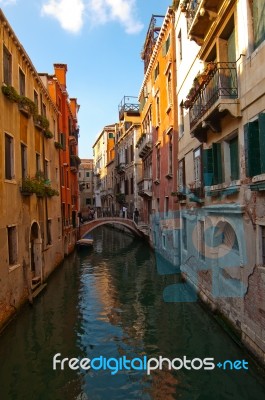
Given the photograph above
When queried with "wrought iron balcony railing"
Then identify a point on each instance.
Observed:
(221, 85)
(130, 105)
(145, 187)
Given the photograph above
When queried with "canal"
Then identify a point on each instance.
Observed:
(108, 302)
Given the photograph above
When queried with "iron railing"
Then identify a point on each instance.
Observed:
(221, 85)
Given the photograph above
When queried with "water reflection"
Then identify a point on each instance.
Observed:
(109, 302)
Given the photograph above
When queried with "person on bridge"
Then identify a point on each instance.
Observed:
(136, 216)
(124, 212)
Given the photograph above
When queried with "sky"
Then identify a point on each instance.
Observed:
(99, 40)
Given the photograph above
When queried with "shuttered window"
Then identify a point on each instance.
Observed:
(255, 146)
(22, 83)
(12, 244)
(258, 22)
(9, 157)
(212, 165)
(7, 61)
(234, 161)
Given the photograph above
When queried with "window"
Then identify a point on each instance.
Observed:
(49, 231)
(132, 186)
(46, 169)
(181, 175)
(36, 100)
(111, 135)
(181, 119)
(87, 174)
(9, 157)
(179, 46)
(24, 166)
(258, 9)
(12, 244)
(156, 71)
(88, 185)
(158, 163)
(166, 46)
(169, 89)
(22, 83)
(170, 156)
(7, 62)
(63, 140)
(166, 206)
(157, 204)
(234, 161)
(59, 228)
(38, 167)
(44, 112)
(255, 146)
(212, 165)
(197, 167)
(157, 111)
(88, 201)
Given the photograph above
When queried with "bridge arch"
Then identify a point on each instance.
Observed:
(95, 223)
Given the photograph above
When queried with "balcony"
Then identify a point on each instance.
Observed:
(211, 99)
(130, 106)
(97, 171)
(144, 144)
(201, 14)
(73, 137)
(145, 187)
(74, 163)
(120, 168)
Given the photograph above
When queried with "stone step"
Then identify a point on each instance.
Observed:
(38, 290)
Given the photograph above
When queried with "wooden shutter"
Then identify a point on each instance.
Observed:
(234, 161)
(253, 148)
(207, 159)
(217, 163)
(262, 141)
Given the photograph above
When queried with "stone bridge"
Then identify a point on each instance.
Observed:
(87, 227)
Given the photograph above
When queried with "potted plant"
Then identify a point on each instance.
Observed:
(26, 105)
(41, 122)
(58, 145)
(10, 93)
(48, 134)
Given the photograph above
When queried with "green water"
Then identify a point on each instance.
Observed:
(109, 302)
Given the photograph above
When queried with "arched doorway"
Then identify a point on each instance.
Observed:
(228, 275)
(35, 254)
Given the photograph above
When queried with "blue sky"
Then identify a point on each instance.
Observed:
(99, 40)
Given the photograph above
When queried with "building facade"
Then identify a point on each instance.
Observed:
(86, 188)
(30, 227)
(158, 144)
(126, 160)
(221, 176)
(67, 145)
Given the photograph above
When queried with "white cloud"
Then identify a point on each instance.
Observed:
(7, 2)
(69, 13)
(123, 11)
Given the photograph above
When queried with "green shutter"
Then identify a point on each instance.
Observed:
(262, 141)
(253, 148)
(234, 160)
(207, 159)
(217, 163)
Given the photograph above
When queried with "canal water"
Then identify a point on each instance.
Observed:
(108, 302)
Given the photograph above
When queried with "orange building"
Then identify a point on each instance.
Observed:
(158, 144)
(67, 142)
